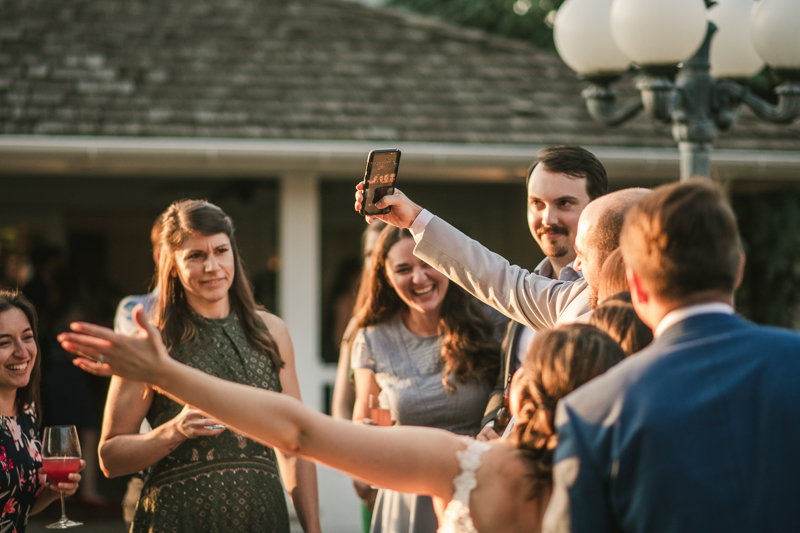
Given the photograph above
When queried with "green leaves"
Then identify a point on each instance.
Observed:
(518, 19)
(769, 223)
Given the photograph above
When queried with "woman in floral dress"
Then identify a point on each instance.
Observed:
(23, 487)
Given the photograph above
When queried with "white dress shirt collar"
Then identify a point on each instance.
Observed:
(679, 315)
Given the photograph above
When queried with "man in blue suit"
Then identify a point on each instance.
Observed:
(700, 431)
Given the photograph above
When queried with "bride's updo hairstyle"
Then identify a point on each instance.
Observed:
(172, 314)
(558, 362)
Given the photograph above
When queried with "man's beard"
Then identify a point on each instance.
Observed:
(549, 248)
(592, 298)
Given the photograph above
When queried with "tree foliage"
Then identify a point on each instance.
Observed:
(769, 223)
(528, 20)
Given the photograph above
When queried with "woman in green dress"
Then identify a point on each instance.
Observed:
(202, 476)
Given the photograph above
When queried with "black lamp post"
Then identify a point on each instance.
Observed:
(689, 65)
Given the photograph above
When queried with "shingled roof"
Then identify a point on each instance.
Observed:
(296, 69)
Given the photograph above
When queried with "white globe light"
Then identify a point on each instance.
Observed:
(658, 32)
(775, 30)
(732, 52)
(582, 33)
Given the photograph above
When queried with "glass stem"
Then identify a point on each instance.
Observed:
(63, 508)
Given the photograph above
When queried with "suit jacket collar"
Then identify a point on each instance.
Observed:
(699, 326)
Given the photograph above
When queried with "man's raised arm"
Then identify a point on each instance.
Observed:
(521, 295)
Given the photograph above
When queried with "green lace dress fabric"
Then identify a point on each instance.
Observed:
(221, 483)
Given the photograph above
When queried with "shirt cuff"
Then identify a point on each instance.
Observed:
(420, 223)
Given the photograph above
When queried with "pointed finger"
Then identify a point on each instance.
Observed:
(140, 317)
(93, 330)
(85, 341)
(93, 367)
(80, 350)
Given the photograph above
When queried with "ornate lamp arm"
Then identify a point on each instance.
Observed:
(787, 110)
(601, 101)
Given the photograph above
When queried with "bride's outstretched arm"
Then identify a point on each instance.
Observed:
(406, 459)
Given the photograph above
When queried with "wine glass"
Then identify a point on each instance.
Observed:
(61, 456)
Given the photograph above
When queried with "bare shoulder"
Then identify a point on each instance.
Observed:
(277, 328)
(499, 502)
(275, 325)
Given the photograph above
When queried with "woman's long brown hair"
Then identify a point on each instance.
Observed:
(29, 394)
(558, 362)
(172, 313)
(468, 346)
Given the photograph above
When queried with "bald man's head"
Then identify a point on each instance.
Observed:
(599, 228)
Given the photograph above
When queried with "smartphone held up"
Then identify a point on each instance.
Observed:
(379, 179)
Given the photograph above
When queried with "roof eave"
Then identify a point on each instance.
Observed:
(269, 158)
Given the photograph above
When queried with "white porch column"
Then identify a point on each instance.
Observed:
(299, 301)
(299, 279)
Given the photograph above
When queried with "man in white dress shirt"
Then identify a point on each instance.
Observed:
(535, 300)
(561, 182)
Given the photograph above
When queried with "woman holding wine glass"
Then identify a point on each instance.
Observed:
(200, 475)
(24, 488)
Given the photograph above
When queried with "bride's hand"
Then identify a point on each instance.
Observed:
(102, 352)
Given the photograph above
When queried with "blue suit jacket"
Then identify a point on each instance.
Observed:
(698, 432)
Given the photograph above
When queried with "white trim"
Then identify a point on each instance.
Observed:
(679, 315)
(205, 157)
(299, 279)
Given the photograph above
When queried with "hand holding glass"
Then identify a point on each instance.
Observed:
(61, 456)
(382, 417)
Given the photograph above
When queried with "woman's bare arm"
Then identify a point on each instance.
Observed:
(123, 450)
(406, 459)
(366, 386)
(344, 395)
(299, 475)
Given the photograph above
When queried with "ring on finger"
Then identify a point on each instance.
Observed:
(101, 359)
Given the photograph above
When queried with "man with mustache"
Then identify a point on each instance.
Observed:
(524, 296)
(561, 181)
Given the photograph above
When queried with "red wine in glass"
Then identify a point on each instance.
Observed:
(58, 469)
(61, 456)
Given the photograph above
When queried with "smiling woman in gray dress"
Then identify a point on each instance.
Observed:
(426, 351)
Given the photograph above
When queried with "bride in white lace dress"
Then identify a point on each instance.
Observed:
(500, 486)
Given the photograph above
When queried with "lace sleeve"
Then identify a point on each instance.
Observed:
(457, 517)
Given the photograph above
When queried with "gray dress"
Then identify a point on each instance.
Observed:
(408, 370)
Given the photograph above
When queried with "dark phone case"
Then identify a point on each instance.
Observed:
(368, 208)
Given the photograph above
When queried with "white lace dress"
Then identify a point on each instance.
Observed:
(457, 518)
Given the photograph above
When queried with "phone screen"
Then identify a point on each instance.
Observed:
(379, 179)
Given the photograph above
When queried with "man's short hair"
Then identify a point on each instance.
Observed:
(604, 235)
(575, 162)
(612, 276)
(683, 239)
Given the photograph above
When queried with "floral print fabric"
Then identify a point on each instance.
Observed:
(21, 475)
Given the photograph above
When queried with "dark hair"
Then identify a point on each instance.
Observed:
(155, 230)
(558, 362)
(29, 394)
(618, 318)
(682, 240)
(377, 226)
(468, 345)
(612, 276)
(172, 314)
(575, 162)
